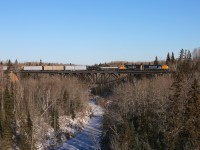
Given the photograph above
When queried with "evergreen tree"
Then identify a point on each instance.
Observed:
(189, 56)
(25, 138)
(185, 66)
(194, 99)
(72, 110)
(40, 62)
(174, 117)
(9, 63)
(8, 130)
(192, 117)
(66, 103)
(16, 64)
(29, 124)
(54, 118)
(181, 55)
(172, 58)
(168, 60)
(156, 61)
(185, 55)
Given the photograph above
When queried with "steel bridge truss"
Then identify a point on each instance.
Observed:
(99, 77)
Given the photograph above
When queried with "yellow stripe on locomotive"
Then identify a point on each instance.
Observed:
(165, 67)
(121, 67)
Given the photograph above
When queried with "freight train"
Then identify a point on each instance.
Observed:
(85, 68)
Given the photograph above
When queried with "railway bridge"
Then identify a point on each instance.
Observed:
(96, 77)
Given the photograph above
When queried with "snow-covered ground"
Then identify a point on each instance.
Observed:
(89, 138)
(68, 127)
(85, 128)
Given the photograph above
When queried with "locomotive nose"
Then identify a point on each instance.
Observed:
(165, 67)
(122, 67)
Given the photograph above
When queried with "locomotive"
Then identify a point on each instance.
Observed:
(143, 67)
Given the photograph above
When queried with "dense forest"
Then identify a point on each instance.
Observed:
(31, 107)
(157, 113)
(162, 112)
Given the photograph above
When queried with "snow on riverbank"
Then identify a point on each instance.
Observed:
(95, 109)
(86, 128)
(72, 126)
(89, 138)
(68, 128)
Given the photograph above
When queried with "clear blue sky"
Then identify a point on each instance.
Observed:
(94, 31)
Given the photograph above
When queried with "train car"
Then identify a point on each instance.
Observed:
(80, 67)
(152, 67)
(74, 68)
(34, 68)
(53, 68)
(48, 67)
(3, 68)
(108, 68)
(93, 68)
(58, 67)
(69, 68)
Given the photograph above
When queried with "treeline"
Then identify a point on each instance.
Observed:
(159, 113)
(29, 107)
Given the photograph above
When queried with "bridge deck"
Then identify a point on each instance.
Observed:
(95, 71)
(97, 77)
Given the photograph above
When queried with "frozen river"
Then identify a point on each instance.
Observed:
(89, 138)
